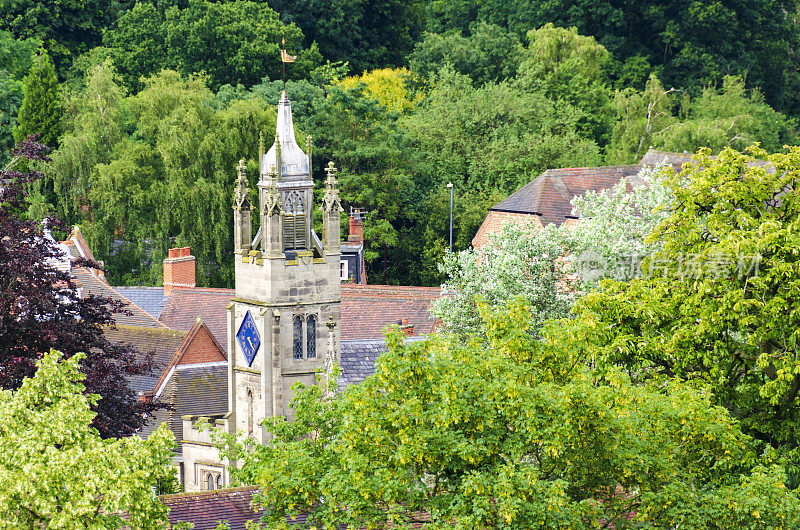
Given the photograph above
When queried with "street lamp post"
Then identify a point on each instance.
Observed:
(450, 187)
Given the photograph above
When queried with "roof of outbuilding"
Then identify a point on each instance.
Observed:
(197, 390)
(207, 509)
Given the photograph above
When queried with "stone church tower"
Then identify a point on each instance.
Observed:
(282, 322)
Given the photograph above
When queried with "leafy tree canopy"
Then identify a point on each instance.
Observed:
(510, 431)
(717, 302)
(233, 42)
(40, 111)
(58, 472)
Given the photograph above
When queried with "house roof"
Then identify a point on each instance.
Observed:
(150, 299)
(207, 509)
(549, 194)
(94, 285)
(358, 360)
(366, 309)
(162, 341)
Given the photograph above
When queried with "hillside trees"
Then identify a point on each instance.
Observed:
(511, 431)
(153, 170)
(57, 470)
(40, 111)
(232, 42)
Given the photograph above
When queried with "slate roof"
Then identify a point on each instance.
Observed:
(206, 509)
(163, 342)
(93, 285)
(199, 390)
(549, 194)
(150, 299)
(358, 360)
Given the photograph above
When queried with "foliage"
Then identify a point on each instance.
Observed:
(41, 308)
(488, 54)
(523, 260)
(66, 28)
(367, 34)
(387, 86)
(495, 137)
(717, 303)
(511, 431)
(40, 111)
(151, 171)
(233, 42)
(718, 118)
(687, 44)
(566, 66)
(58, 472)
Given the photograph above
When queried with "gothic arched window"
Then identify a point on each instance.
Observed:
(297, 340)
(311, 337)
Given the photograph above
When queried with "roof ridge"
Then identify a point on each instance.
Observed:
(151, 329)
(208, 493)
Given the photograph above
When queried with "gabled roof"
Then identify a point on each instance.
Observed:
(206, 509)
(162, 341)
(184, 306)
(93, 285)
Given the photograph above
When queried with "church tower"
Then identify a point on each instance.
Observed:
(283, 320)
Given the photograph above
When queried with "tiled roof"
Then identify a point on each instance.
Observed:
(209, 508)
(366, 309)
(164, 342)
(549, 194)
(653, 157)
(93, 285)
(183, 307)
(150, 299)
(358, 360)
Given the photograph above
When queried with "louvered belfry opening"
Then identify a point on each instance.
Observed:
(295, 230)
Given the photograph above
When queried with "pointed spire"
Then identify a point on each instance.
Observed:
(293, 161)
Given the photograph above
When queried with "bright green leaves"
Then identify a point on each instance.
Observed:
(512, 432)
(57, 472)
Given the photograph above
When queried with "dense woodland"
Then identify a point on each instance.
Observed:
(148, 105)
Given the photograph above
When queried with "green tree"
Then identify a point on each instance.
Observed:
(729, 116)
(717, 302)
(367, 34)
(489, 53)
(495, 137)
(233, 42)
(511, 432)
(40, 112)
(57, 471)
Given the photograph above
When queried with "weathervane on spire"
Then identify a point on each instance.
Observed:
(285, 58)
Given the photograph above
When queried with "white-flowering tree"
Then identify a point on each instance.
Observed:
(55, 469)
(549, 268)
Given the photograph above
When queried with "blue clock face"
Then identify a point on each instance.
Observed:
(248, 338)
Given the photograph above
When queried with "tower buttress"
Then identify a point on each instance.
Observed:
(331, 208)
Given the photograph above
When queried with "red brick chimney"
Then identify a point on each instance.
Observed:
(356, 234)
(405, 327)
(179, 268)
